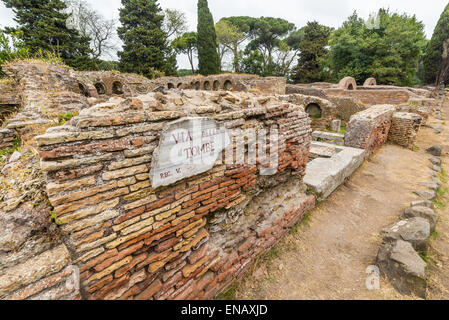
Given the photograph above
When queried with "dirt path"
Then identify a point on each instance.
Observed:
(326, 257)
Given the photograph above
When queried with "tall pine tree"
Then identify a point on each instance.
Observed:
(208, 59)
(433, 61)
(145, 48)
(313, 49)
(43, 24)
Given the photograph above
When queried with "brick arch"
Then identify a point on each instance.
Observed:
(206, 85)
(347, 83)
(216, 85)
(101, 88)
(228, 85)
(370, 82)
(84, 90)
(117, 87)
(197, 85)
(170, 86)
(314, 110)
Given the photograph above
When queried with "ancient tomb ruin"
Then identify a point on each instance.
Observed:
(127, 188)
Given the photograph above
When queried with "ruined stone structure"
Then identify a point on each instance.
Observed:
(405, 128)
(96, 208)
(45, 92)
(347, 83)
(370, 82)
(106, 84)
(226, 82)
(130, 240)
(321, 111)
(369, 129)
(7, 138)
(9, 98)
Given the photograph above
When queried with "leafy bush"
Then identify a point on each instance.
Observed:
(11, 48)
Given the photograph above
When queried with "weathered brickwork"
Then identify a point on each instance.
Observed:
(321, 111)
(405, 128)
(8, 93)
(369, 129)
(133, 242)
(46, 91)
(100, 84)
(7, 138)
(226, 82)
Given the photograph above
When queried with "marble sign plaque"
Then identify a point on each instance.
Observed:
(187, 147)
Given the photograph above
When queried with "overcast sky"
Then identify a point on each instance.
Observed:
(328, 12)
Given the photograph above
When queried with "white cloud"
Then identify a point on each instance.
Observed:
(328, 12)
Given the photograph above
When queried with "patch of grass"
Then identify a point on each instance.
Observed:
(273, 253)
(343, 129)
(415, 148)
(442, 176)
(434, 235)
(441, 199)
(228, 294)
(306, 219)
(65, 117)
(424, 256)
(11, 150)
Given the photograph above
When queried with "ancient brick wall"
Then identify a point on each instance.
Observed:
(369, 129)
(187, 240)
(227, 82)
(46, 91)
(98, 84)
(9, 94)
(305, 90)
(7, 138)
(404, 129)
(373, 97)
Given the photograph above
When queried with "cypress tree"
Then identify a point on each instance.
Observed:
(312, 50)
(43, 25)
(433, 57)
(145, 48)
(208, 59)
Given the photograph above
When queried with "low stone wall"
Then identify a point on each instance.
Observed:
(373, 97)
(189, 239)
(346, 108)
(404, 129)
(305, 90)
(7, 138)
(9, 94)
(369, 129)
(46, 91)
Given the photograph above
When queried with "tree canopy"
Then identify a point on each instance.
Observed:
(208, 59)
(187, 44)
(389, 53)
(434, 64)
(146, 47)
(43, 27)
(313, 49)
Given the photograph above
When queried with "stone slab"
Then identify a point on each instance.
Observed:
(324, 176)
